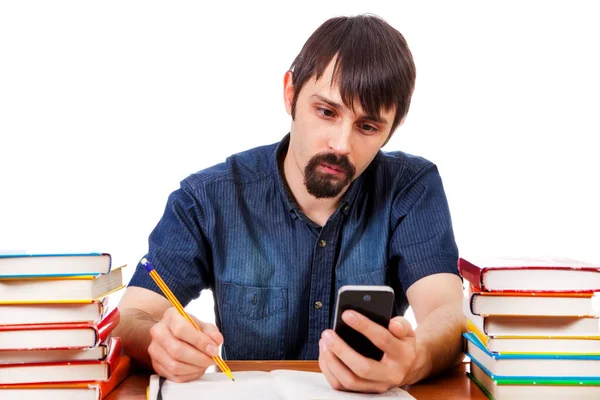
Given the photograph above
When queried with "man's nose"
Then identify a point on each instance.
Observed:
(340, 141)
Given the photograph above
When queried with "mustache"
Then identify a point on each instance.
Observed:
(341, 162)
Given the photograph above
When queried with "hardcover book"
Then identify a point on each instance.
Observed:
(57, 336)
(530, 274)
(44, 265)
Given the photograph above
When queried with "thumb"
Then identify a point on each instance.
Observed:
(401, 328)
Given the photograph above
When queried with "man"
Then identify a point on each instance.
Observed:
(276, 230)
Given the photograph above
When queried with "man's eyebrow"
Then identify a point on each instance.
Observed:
(374, 118)
(326, 100)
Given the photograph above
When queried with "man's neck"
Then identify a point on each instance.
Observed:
(318, 210)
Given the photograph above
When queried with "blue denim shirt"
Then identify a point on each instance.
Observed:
(234, 228)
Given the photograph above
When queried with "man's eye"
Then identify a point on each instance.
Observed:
(368, 128)
(326, 112)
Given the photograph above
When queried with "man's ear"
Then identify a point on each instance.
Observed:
(288, 92)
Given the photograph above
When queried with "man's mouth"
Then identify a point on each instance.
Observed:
(332, 169)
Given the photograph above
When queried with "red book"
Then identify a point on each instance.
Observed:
(58, 336)
(76, 371)
(530, 274)
(533, 304)
(69, 390)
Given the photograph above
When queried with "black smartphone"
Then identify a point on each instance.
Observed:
(375, 303)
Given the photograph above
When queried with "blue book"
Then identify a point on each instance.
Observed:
(538, 367)
(497, 388)
(19, 266)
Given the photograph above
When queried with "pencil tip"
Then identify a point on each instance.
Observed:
(233, 379)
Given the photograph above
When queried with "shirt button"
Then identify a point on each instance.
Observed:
(318, 305)
(347, 208)
(322, 243)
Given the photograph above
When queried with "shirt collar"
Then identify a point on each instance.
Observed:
(292, 206)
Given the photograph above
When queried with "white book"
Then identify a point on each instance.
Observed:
(84, 371)
(21, 265)
(516, 345)
(532, 326)
(46, 356)
(259, 385)
(534, 305)
(52, 313)
(500, 391)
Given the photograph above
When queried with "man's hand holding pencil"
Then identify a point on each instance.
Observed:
(182, 346)
(178, 351)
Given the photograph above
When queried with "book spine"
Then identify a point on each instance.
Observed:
(471, 273)
(108, 323)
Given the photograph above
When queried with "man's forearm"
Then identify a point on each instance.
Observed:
(439, 342)
(134, 331)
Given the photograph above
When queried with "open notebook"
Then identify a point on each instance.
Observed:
(249, 385)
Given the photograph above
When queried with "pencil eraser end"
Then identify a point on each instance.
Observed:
(146, 264)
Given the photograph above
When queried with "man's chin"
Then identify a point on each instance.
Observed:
(324, 191)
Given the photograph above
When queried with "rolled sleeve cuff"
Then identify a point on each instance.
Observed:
(415, 271)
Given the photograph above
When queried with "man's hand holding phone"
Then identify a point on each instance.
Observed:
(347, 369)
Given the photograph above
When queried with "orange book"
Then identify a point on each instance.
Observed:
(532, 304)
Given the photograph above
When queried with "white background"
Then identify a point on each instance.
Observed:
(106, 106)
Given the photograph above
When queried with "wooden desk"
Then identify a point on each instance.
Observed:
(453, 385)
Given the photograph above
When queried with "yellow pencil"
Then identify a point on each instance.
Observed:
(161, 284)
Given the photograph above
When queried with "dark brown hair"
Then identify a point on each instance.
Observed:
(373, 63)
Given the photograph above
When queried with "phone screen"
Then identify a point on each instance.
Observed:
(375, 303)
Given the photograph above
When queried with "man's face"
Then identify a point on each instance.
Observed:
(331, 143)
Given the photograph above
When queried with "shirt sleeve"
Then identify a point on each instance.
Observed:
(422, 242)
(178, 250)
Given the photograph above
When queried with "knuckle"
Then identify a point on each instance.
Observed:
(207, 327)
(200, 343)
(349, 381)
(176, 350)
(169, 312)
(155, 330)
(172, 366)
(384, 341)
(177, 329)
(152, 350)
(362, 370)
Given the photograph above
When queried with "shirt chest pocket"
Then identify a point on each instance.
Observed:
(253, 321)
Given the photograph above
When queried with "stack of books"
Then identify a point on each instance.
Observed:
(55, 327)
(532, 327)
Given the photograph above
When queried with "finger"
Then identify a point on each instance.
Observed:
(170, 365)
(401, 328)
(162, 371)
(377, 334)
(210, 330)
(183, 330)
(347, 378)
(361, 366)
(331, 379)
(177, 347)
(185, 353)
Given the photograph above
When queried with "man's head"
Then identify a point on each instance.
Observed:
(347, 91)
